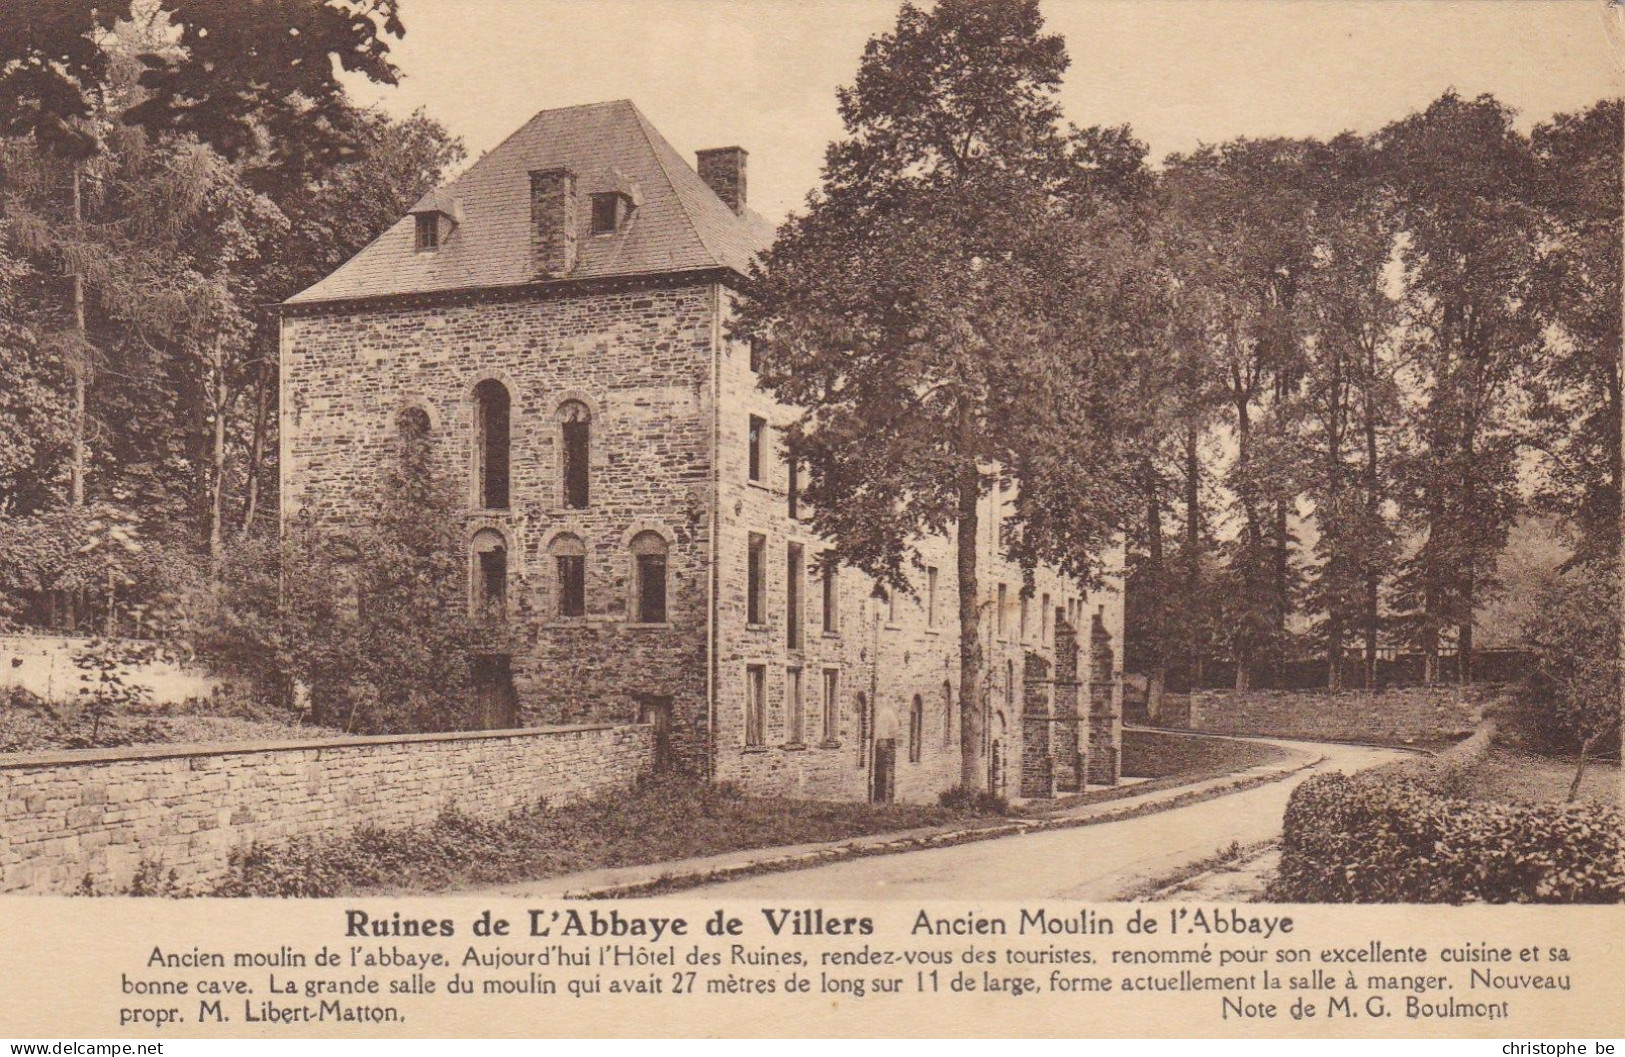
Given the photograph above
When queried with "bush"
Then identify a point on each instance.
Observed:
(1575, 687)
(969, 800)
(1397, 839)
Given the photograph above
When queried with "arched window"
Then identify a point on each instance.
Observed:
(575, 437)
(490, 575)
(570, 575)
(947, 714)
(648, 578)
(916, 729)
(491, 444)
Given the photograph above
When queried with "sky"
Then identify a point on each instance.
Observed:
(762, 74)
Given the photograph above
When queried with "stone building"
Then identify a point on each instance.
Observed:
(554, 322)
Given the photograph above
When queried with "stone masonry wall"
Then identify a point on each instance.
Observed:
(883, 653)
(1397, 714)
(66, 817)
(640, 361)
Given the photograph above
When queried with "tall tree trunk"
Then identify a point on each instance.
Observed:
(219, 404)
(972, 768)
(1158, 677)
(1339, 560)
(72, 601)
(1252, 542)
(1282, 595)
(1373, 511)
(1194, 609)
(81, 365)
(256, 450)
(1430, 623)
(1464, 630)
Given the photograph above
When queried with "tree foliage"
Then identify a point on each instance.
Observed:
(941, 279)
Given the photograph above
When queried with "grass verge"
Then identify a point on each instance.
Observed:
(662, 819)
(1160, 754)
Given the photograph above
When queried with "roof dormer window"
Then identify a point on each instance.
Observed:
(435, 217)
(606, 213)
(428, 232)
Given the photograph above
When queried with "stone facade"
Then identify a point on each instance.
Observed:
(684, 448)
(69, 818)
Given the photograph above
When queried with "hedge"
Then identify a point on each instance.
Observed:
(1388, 838)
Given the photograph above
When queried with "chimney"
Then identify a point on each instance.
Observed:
(553, 222)
(723, 170)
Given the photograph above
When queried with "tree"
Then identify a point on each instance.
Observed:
(369, 615)
(922, 308)
(172, 249)
(52, 66)
(1461, 176)
(1576, 404)
(1245, 206)
(261, 80)
(1350, 398)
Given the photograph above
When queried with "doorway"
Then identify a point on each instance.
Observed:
(656, 711)
(496, 703)
(883, 789)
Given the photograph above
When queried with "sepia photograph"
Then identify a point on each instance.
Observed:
(876, 450)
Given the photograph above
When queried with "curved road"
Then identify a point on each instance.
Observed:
(1100, 862)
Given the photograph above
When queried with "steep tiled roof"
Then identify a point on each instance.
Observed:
(679, 223)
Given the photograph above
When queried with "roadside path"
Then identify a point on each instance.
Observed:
(1099, 862)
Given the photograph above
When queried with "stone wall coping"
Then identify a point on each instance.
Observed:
(71, 757)
(1342, 691)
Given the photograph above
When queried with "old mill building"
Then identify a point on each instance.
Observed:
(553, 321)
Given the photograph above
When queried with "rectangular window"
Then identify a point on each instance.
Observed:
(576, 442)
(651, 588)
(1024, 618)
(832, 706)
(832, 595)
(998, 618)
(603, 213)
(428, 232)
(758, 437)
(755, 705)
(793, 572)
(891, 605)
(1043, 622)
(572, 585)
(756, 580)
(795, 717)
(931, 596)
(755, 358)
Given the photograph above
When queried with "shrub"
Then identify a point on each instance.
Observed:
(969, 800)
(1575, 687)
(1396, 839)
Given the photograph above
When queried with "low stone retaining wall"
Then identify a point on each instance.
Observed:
(1396, 715)
(71, 816)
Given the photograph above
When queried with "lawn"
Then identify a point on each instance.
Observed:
(29, 725)
(1161, 754)
(663, 819)
(1507, 775)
